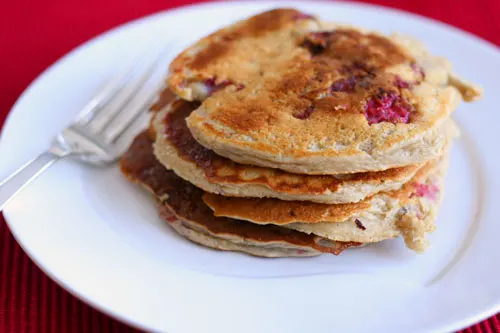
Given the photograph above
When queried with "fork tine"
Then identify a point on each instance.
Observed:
(103, 118)
(99, 101)
(117, 131)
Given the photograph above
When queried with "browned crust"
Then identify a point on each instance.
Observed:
(279, 211)
(209, 54)
(347, 54)
(254, 27)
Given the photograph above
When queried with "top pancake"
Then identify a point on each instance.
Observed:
(321, 102)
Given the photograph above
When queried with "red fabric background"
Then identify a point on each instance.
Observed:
(34, 34)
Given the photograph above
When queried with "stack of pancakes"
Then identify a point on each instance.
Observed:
(282, 135)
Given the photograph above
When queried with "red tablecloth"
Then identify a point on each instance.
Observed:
(34, 34)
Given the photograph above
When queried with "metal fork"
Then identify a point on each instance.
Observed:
(94, 135)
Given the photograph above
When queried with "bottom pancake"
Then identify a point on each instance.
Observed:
(196, 221)
(191, 231)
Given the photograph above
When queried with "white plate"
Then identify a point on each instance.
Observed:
(100, 237)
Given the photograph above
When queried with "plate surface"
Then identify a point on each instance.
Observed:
(100, 237)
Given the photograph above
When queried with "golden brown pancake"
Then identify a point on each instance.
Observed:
(332, 101)
(194, 220)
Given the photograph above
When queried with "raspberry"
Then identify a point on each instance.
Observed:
(344, 85)
(212, 86)
(303, 16)
(400, 83)
(389, 107)
(171, 219)
(359, 225)
(316, 42)
(306, 113)
(427, 191)
(418, 69)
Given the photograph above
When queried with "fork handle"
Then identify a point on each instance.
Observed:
(18, 180)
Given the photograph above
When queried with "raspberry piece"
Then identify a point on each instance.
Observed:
(344, 85)
(389, 107)
(359, 225)
(212, 86)
(316, 42)
(429, 191)
(171, 219)
(306, 113)
(400, 83)
(418, 69)
(303, 16)
(357, 67)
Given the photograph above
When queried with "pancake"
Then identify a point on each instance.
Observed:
(409, 212)
(339, 101)
(181, 204)
(176, 148)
